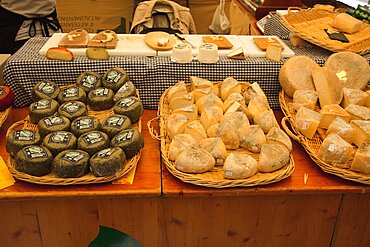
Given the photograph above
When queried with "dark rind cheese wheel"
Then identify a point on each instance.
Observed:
(34, 160)
(131, 141)
(45, 90)
(71, 93)
(113, 124)
(130, 107)
(115, 78)
(6, 97)
(93, 141)
(107, 161)
(71, 163)
(59, 141)
(85, 124)
(128, 89)
(89, 80)
(73, 109)
(18, 139)
(100, 99)
(53, 123)
(42, 108)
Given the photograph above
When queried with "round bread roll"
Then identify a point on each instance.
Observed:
(85, 124)
(59, 141)
(53, 123)
(71, 163)
(42, 108)
(34, 160)
(73, 109)
(71, 93)
(296, 73)
(45, 90)
(115, 78)
(89, 80)
(352, 69)
(100, 99)
(18, 139)
(107, 161)
(130, 107)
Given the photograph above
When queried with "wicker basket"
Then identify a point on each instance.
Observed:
(309, 24)
(215, 177)
(51, 179)
(4, 115)
(312, 146)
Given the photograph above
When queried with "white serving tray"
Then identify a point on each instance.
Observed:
(127, 45)
(252, 49)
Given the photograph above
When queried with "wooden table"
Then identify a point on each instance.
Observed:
(41, 215)
(325, 211)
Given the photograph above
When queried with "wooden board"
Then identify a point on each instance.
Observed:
(152, 40)
(221, 41)
(99, 40)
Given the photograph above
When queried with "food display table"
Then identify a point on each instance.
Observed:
(160, 210)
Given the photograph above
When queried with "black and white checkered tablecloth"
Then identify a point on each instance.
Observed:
(151, 75)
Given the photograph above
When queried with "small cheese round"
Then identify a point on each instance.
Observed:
(115, 78)
(100, 99)
(53, 123)
(93, 141)
(296, 73)
(45, 89)
(72, 109)
(128, 89)
(195, 160)
(107, 161)
(85, 124)
(18, 139)
(58, 141)
(239, 166)
(71, 163)
(352, 69)
(89, 80)
(34, 160)
(6, 98)
(71, 93)
(113, 124)
(42, 108)
(130, 141)
(130, 107)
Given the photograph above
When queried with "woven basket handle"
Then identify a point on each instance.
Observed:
(15, 126)
(153, 133)
(293, 8)
(287, 129)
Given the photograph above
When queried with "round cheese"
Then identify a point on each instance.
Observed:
(34, 160)
(72, 109)
(107, 161)
(100, 99)
(85, 124)
(18, 139)
(113, 124)
(130, 141)
(58, 141)
(93, 141)
(115, 78)
(71, 93)
(42, 108)
(53, 123)
(89, 80)
(71, 163)
(128, 89)
(130, 107)
(6, 97)
(296, 73)
(45, 90)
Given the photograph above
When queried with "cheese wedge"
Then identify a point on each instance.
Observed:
(361, 161)
(346, 23)
(181, 101)
(274, 51)
(238, 120)
(208, 101)
(342, 128)
(239, 166)
(195, 160)
(180, 143)
(252, 138)
(277, 136)
(368, 99)
(177, 90)
(272, 157)
(330, 112)
(353, 96)
(307, 121)
(306, 98)
(358, 112)
(229, 135)
(328, 86)
(195, 129)
(213, 130)
(266, 120)
(190, 111)
(237, 107)
(228, 86)
(257, 105)
(216, 147)
(335, 151)
(197, 82)
(200, 92)
(361, 131)
(210, 116)
(176, 124)
(233, 97)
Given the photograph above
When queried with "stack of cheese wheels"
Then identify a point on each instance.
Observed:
(226, 124)
(333, 98)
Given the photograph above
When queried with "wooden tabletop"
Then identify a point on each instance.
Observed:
(147, 180)
(318, 181)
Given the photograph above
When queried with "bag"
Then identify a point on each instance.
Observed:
(220, 23)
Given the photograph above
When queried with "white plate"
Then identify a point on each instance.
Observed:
(127, 45)
(252, 50)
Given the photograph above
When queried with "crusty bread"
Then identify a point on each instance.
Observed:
(78, 38)
(59, 53)
(105, 39)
